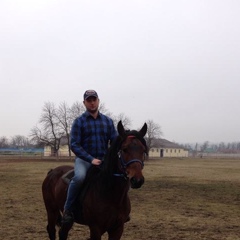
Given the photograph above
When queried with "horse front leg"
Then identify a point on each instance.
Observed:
(63, 232)
(51, 232)
(116, 232)
(95, 233)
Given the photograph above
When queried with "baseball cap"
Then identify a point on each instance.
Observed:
(90, 93)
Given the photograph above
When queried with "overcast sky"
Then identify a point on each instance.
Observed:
(176, 62)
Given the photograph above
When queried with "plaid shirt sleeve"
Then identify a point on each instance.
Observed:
(76, 147)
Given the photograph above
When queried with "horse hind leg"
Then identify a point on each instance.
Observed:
(53, 220)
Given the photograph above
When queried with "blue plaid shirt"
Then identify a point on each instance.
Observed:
(90, 137)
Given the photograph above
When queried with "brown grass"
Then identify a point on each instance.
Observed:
(181, 199)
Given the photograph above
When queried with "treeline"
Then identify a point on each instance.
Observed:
(18, 141)
(207, 147)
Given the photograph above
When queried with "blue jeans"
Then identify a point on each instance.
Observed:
(80, 171)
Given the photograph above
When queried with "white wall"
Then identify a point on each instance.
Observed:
(168, 152)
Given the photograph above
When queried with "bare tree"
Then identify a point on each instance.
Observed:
(50, 132)
(38, 136)
(4, 142)
(76, 110)
(19, 141)
(221, 147)
(204, 146)
(153, 132)
(65, 122)
(126, 121)
(103, 109)
(238, 146)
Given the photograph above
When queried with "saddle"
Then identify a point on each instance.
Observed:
(68, 176)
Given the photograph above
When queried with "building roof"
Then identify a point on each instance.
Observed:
(164, 143)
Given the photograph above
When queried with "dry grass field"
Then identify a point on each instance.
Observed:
(181, 199)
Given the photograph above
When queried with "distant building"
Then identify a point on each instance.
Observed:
(165, 148)
(62, 151)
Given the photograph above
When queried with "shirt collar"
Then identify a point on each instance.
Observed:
(87, 114)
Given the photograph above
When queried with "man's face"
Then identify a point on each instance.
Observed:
(91, 104)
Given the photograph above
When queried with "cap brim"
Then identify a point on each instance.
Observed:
(91, 96)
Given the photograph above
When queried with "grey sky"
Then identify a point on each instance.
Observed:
(174, 62)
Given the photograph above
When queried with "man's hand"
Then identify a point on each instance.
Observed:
(96, 162)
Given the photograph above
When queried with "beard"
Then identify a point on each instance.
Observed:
(92, 110)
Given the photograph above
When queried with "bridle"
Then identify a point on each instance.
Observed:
(124, 164)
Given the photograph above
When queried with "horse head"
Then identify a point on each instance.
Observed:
(132, 153)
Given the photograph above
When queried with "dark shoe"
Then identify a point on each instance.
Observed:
(67, 217)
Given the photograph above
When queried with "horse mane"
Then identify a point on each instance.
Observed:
(110, 164)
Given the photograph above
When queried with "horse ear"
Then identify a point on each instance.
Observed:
(143, 130)
(121, 129)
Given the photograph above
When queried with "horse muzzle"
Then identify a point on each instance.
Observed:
(136, 182)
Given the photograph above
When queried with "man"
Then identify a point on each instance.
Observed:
(90, 135)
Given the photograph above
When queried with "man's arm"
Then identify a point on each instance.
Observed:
(75, 142)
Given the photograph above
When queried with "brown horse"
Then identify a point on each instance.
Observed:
(103, 204)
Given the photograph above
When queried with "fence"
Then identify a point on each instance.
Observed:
(215, 155)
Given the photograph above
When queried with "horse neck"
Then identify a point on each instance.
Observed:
(120, 189)
(114, 185)
(114, 179)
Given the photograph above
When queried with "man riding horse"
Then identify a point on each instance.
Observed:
(91, 134)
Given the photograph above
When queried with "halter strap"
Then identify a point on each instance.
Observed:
(125, 164)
